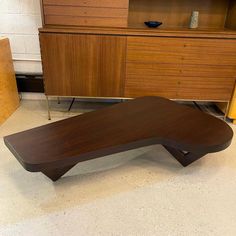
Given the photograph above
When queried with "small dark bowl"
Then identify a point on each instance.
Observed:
(152, 24)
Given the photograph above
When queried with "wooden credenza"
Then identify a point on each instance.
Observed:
(126, 61)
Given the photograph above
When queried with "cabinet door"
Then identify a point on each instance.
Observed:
(112, 66)
(182, 68)
(83, 65)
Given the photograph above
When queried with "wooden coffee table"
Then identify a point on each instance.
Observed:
(187, 133)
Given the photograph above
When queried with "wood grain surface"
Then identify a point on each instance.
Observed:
(86, 12)
(174, 13)
(172, 32)
(231, 16)
(136, 123)
(90, 3)
(85, 65)
(171, 61)
(9, 99)
(84, 21)
(180, 68)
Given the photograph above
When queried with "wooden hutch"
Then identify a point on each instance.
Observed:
(101, 48)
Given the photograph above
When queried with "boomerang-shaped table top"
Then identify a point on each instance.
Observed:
(185, 132)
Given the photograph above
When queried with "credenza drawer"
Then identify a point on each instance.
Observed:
(84, 11)
(181, 51)
(198, 88)
(197, 69)
(90, 3)
(84, 21)
(136, 86)
(185, 70)
(178, 87)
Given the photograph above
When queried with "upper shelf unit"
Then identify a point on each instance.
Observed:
(111, 13)
(213, 14)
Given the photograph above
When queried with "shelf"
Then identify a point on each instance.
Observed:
(177, 13)
(145, 31)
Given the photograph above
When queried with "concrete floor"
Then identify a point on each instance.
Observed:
(139, 192)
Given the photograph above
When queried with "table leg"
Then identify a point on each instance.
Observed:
(55, 174)
(184, 158)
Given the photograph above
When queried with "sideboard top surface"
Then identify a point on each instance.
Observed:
(168, 32)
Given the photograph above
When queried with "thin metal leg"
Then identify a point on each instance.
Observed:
(226, 111)
(58, 100)
(197, 106)
(20, 96)
(48, 107)
(73, 100)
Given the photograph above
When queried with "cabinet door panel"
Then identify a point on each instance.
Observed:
(70, 64)
(112, 66)
(83, 65)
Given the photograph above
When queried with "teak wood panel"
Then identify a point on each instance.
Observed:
(180, 68)
(86, 12)
(9, 99)
(177, 13)
(144, 85)
(198, 88)
(176, 87)
(187, 70)
(83, 65)
(89, 3)
(85, 21)
(142, 32)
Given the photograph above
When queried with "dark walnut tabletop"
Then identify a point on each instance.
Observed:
(136, 123)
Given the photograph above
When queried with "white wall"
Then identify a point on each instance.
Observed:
(19, 21)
